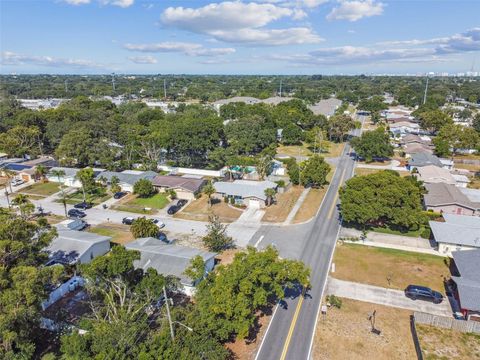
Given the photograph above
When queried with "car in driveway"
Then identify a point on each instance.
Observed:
(128, 220)
(159, 223)
(75, 213)
(119, 195)
(162, 237)
(17, 182)
(415, 292)
(172, 209)
(181, 203)
(83, 205)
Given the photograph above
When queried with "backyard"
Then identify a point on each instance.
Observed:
(389, 268)
(346, 333)
(200, 211)
(41, 189)
(437, 343)
(132, 203)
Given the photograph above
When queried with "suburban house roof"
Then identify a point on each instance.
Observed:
(128, 177)
(435, 174)
(326, 107)
(457, 229)
(275, 100)
(44, 160)
(470, 221)
(71, 172)
(468, 283)
(244, 188)
(245, 99)
(404, 124)
(413, 138)
(424, 159)
(394, 119)
(445, 194)
(185, 183)
(472, 194)
(70, 245)
(413, 147)
(167, 259)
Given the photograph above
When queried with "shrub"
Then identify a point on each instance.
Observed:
(144, 188)
(426, 233)
(335, 301)
(280, 183)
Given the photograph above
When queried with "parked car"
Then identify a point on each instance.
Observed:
(128, 220)
(415, 292)
(119, 195)
(172, 209)
(16, 182)
(161, 236)
(83, 205)
(75, 213)
(181, 203)
(159, 223)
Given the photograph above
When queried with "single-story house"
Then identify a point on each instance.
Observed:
(69, 179)
(467, 281)
(462, 180)
(71, 224)
(416, 139)
(458, 232)
(128, 178)
(448, 199)
(244, 192)
(169, 259)
(423, 159)
(186, 187)
(413, 148)
(472, 194)
(432, 174)
(76, 247)
(326, 107)
(26, 169)
(404, 127)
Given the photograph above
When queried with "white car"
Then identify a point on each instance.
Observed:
(16, 182)
(159, 223)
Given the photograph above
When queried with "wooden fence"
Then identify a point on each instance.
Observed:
(447, 323)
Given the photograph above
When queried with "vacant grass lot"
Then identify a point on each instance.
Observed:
(366, 171)
(374, 266)
(134, 204)
(41, 189)
(278, 212)
(334, 149)
(200, 211)
(442, 344)
(345, 333)
(77, 197)
(120, 233)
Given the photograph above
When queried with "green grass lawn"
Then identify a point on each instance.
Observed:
(137, 205)
(77, 197)
(42, 189)
(411, 233)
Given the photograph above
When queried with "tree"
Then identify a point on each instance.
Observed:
(292, 134)
(20, 140)
(434, 120)
(24, 205)
(229, 299)
(476, 123)
(209, 190)
(316, 137)
(339, 126)
(40, 172)
(86, 177)
(143, 227)
(314, 171)
(217, 238)
(24, 285)
(373, 145)
(270, 194)
(59, 174)
(293, 171)
(115, 184)
(196, 269)
(373, 105)
(264, 166)
(143, 188)
(457, 137)
(382, 198)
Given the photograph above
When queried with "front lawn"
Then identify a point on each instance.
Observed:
(199, 210)
(334, 150)
(411, 233)
(389, 268)
(41, 189)
(137, 205)
(279, 211)
(77, 197)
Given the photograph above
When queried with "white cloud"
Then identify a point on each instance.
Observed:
(143, 59)
(239, 22)
(313, 3)
(120, 3)
(190, 49)
(11, 58)
(355, 10)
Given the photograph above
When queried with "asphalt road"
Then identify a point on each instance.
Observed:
(292, 328)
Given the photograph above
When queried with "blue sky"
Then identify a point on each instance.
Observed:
(239, 37)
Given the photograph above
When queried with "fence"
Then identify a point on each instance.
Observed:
(63, 289)
(447, 323)
(201, 172)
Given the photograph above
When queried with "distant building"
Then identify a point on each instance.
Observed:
(326, 107)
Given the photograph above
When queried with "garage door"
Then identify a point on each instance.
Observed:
(254, 203)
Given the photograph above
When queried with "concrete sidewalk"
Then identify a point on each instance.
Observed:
(297, 206)
(384, 296)
(396, 247)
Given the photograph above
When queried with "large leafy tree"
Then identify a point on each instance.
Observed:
(434, 120)
(144, 188)
(143, 227)
(373, 144)
(382, 198)
(249, 136)
(23, 284)
(314, 171)
(456, 137)
(21, 140)
(86, 177)
(339, 126)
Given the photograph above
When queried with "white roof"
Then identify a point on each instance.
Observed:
(435, 174)
(244, 188)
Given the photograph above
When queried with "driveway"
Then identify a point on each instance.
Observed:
(384, 296)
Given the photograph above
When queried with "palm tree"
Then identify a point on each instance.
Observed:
(23, 203)
(270, 194)
(40, 172)
(60, 174)
(86, 177)
(209, 190)
(115, 184)
(10, 174)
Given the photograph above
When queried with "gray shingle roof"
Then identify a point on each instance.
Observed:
(468, 284)
(469, 221)
(445, 194)
(326, 107)
(127, 177)
(424, 159)
(244, 188)
(472, 194)
(447, 233)
(185, 183)
(167, 259)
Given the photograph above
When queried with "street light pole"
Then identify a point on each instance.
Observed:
(172, 333)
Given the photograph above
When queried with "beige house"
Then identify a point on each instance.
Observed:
(432, 174)
(448, 199)
(186, 187)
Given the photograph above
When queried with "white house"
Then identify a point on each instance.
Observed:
(170, 259)
(402, 128)
(128, 178)
(69, 179)
(458, 232)
(244, 192)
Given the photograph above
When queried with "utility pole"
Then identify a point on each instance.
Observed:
(113, 83)
(66, 87)
(172, 333)
(165, 89)
(425, 95)
(281, 80)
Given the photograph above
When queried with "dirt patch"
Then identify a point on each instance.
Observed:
(120, 233)
(346, 333)
(310, 206)
(279, 211)
(439, 343)
(226, 257)
(200, 211)
(389, 268)
(365, 171)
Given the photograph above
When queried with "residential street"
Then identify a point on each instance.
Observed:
(292, 327)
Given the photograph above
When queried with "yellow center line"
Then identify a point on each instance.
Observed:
(330, 213)
(292, 326)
